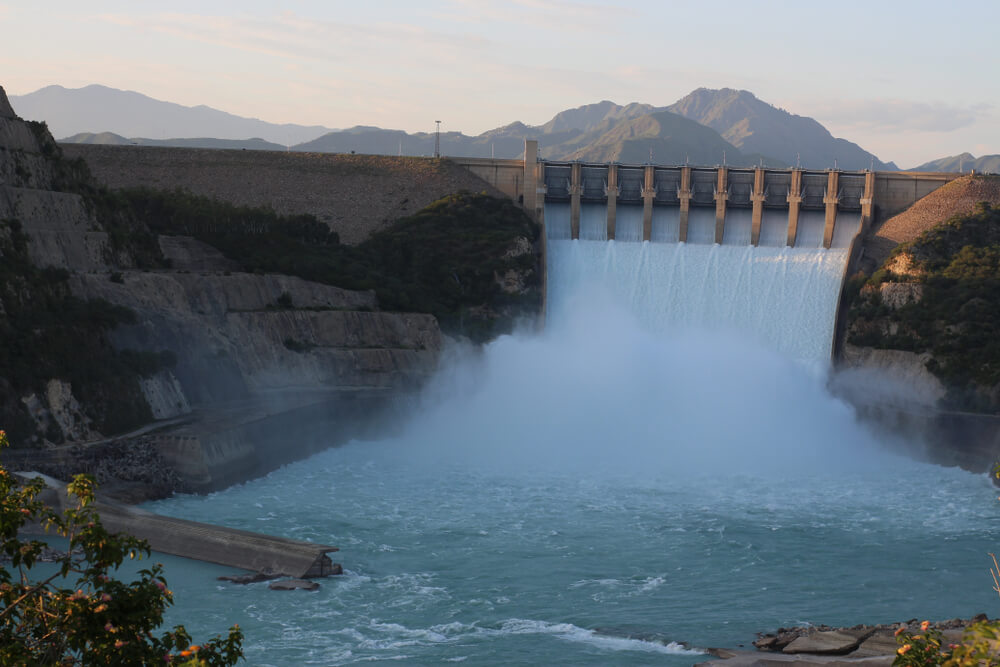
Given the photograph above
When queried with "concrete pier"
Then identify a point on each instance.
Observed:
(575, 191)
(766, 193)
(612, 191)
(721, 195)
(540, 190)
(757, 198)
(218, 544)
(830, 200)
(210, 543)
(684, 195)
(867, 201)
(648, 195)
(794, 201)
(530, 175)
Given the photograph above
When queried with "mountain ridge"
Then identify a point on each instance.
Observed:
(741, 130)
(961, 163)
(755, 126)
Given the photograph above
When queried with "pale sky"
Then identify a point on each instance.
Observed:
(910, 80)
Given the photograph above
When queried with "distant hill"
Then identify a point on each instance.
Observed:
(69, 111)
(590, 116)
(757, 127)
(112, 139)
(100, 138)
(567, 132)
(671, 138)
(731, 121)
(963, 163)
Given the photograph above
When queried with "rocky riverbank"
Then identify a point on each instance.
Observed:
(826, 645)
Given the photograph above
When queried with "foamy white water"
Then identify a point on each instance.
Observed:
(651, 475)
(783, 298)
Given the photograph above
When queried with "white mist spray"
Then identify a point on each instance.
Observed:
(656, 361)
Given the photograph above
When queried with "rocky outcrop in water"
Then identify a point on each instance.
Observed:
(825, 645)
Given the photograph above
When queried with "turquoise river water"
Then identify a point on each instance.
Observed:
(660, 471)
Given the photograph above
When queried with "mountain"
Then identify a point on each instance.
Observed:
(590, 116)
(962, 164)
(112, 139)
(69, 111)
(99, 138)
(671, 138)
(746, 128)
(755, 126)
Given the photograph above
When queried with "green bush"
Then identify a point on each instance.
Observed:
(958, 316)
(81, 614)
(443, 260)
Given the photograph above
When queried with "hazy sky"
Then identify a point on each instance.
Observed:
(910, 80)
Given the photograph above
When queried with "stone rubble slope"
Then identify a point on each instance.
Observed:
(959, 197)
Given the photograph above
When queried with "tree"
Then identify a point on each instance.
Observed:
(81, 615)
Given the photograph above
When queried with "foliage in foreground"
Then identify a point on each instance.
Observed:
(980, 646)
(79, 615)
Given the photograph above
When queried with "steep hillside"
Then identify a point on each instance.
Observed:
(959, 197)
(671, 138)
(754, 126)
(936, 303)
(243, 337)
(962, 163)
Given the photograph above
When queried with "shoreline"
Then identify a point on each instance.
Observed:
(827, 645)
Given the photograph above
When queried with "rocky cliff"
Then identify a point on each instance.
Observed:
(85, 329)
(920, 350)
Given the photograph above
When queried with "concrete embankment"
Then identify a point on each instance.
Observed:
(355, 194)
(201, 541)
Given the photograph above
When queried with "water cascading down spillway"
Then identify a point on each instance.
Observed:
(783, 297)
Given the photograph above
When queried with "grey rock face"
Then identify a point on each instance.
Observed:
(5, 109)
(835, 642)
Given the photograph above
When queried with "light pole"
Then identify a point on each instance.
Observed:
(437, 140)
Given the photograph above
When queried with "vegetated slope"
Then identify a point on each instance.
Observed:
(756, 127)
(956, 198)
(468, 259)
(939, 295)
(963, 163)
(95, 108)
(671, 138)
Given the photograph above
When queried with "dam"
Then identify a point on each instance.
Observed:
(658, 471)
(645, 478)
(700, 204)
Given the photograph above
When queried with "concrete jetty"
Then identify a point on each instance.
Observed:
(202, 541)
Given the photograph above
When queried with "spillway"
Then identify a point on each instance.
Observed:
(781, 297)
